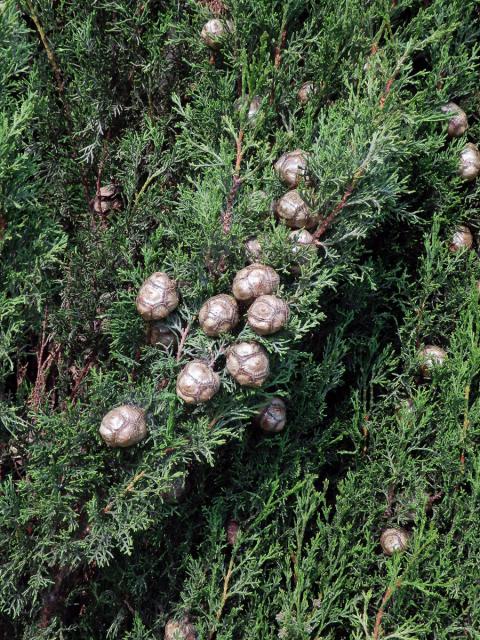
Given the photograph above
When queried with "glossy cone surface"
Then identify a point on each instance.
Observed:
(255, 280)
(123, 426)
(394, 540)
(430, 357)
(469, 166)
(157, 296)
(247, 363)
(212, 33)
(273, 417)
(197, 382)
(294, 211)
(268, 314)
(291, 167)
(218, 314)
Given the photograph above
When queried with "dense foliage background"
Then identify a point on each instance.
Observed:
(91, 543)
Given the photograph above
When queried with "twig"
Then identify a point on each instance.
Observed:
(326, 222)
(145, 186)
(466, 424)
(225, 596)
(392, 79)
(227, 214)
(53, 598)
(380, 613)
(216, 6)
(183, 338)
(390, 499)
(60, 86)
(278, 57)
(279, 48)
(48, 50)
(128, 489)
(76, 387)
(56, 596)
(44, 364)
(102, 160)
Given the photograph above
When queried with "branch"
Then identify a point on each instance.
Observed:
(60, 86)
(145, 186)
(81, 376)
(386, 597)
(48, 50)
(53, 598)
(326, 222)
(128, 489)
(183, 338)
(279, 48)
(225, 596)
(44, 363)
(227, 214)
(392, 78)
(466, 424)
(217, 7)
(278, 57)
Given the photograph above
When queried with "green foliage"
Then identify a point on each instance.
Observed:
(92, 544)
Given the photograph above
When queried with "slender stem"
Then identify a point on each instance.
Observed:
(466, 424)
(326, 222)
(227, 214)
(183, 338)
(145, 186)
(48, 50)
(380, 613)
(225, 596)
(128, 489)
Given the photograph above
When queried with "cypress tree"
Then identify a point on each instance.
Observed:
(129, 145)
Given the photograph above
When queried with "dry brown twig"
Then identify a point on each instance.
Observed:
(279, 48)
(81, 376)
(44, 364)
(183, 339)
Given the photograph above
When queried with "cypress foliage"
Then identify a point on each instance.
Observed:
(94, 543)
